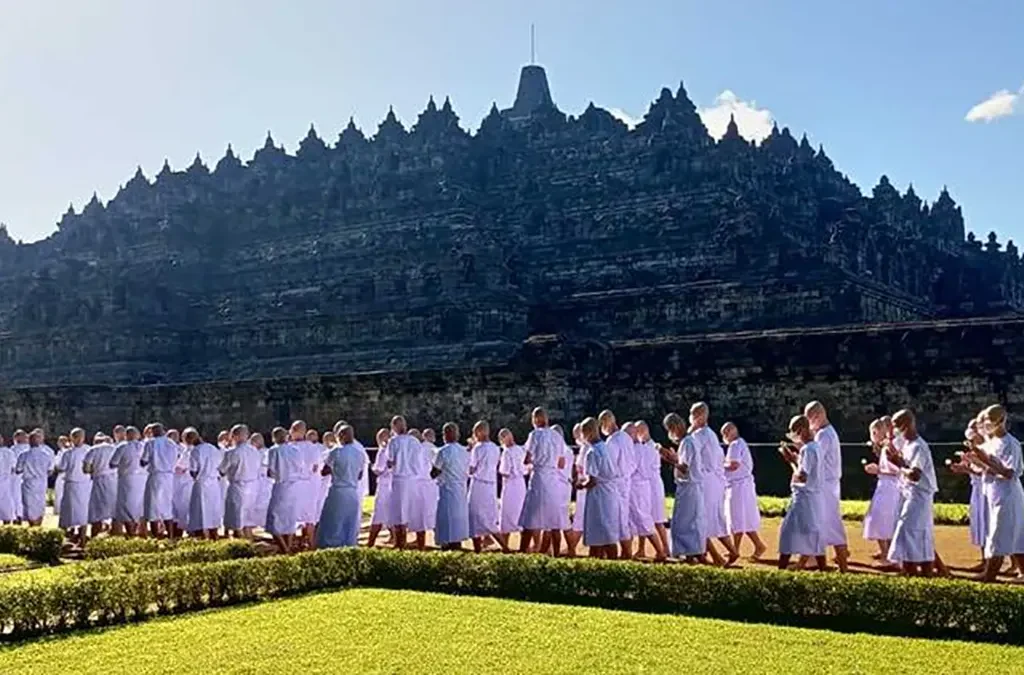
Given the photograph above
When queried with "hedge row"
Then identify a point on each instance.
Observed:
(913, 607)
(945, 514)
(113, 547)
(41, 544)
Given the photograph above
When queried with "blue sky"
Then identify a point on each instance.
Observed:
(89, 90)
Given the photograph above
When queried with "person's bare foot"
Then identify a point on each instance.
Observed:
(731, 560)
(758, 553)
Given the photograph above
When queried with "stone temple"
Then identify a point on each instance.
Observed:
(430, 246)
(546, 258)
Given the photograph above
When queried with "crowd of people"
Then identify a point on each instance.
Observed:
(307, 492)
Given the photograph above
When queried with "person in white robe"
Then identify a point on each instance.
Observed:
(688, 531)
(34, 466)
(451, 469)
(312, 457)
(7, 473)
(131, 483)
(1003, 464)
(431, 487)
(801, 531)
(641, 521)
(714, 484)
(411, 467)
(182, 496)
(206, 504)
(74, 505)
(287, 466)
(579, 467)
(650, 458)
(831, 472)
(913, 541)
(103, 491)
(241, 466)
(884, 509)
(483, 486)
(977, 512)
(742, 514)
(159, 456)
(619, 447)
(63, 443)
(330, 442)
(265, 483)
(18, 447)
(342, 511)
(512, 469)
(381, 516)
(542, 508)
(602, 518)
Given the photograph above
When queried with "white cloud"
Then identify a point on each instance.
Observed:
(625, 117)
(1000, 104)
(754, 123)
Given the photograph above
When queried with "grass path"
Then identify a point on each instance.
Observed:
(394, 631)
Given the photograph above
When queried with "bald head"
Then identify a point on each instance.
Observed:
(675, 426)
(630, 429)
(398, 424)
(539, 417)
(346, 434)
(607, 423)
(905, 423)
(589, 429)
(450, 432)
(816, 414)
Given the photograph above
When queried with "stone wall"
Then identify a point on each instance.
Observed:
(943, 370)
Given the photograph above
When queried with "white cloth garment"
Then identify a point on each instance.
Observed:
(741, 511)
(714, 482)
(287, 467)
(483, 489)
(1004, 499)
(831, 472)
(513, 488)
(542, 507)
(206, 505)
(913, 541)
(159, 456)
(602, 524)
(801, 533)
(241, 467)
(34, 466)
(884, 510)
(103, 495)
(7, 474)
(688, 530)
(74, 505)
(342, 511)
(452, 460)
(641, 520)
(131, 482)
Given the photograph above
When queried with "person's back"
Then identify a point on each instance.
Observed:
(7, 474)
(453, 462)
(244, 464)
(204, 462)
(160, 454)
(125, 459)
(37, 462)
(406, 456)
(346, 464)
(285, 464)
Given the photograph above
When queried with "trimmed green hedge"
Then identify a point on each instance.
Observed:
(41, 544)
(945, 514)
(917, 607)
(113, 547)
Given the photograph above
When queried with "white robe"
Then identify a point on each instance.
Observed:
(265, 488)
(453, 501)
(342, 511)
(884, 510)
(411, 465)
(74, 505)
(131, 482)
(713, 461)
(741, 510)
(641, 520)
(602, 525)
(241, 467)
(655, 485)
(16, 482)
(688, 530)
(160, 455)
(309, 497)
(801, 530)
(581, 495)
(542, 507)
(1004, 500)
(382, 493)
(287, 467)
(913, 541)
(103, 495)
(620, 448)
(206, 505)
(7, 496)
(483, 489)
(34, 466)
(833, 529)
(513, 488)
(181, 497)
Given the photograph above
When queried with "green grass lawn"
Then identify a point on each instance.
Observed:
(395, 631)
